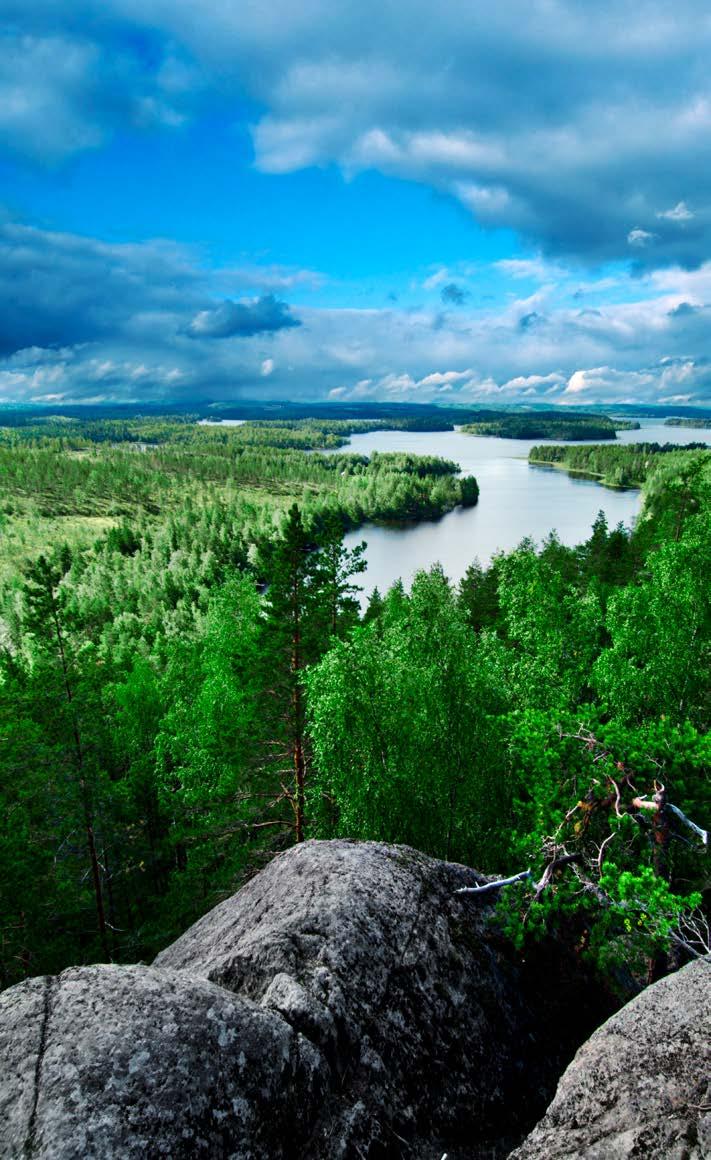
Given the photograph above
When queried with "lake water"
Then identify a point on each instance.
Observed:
(516, 500)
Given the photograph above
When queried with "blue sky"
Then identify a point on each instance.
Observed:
(328, 200)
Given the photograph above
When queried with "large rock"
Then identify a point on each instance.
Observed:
(367, 950)
(641, 1085)
(136, 1062)
(346, 1003)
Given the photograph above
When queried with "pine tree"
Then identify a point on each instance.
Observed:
(44, 620)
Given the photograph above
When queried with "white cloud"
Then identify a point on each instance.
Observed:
(639, 237)
(535, 269)
(524, 112)
(680, 213)
(437, 279)
(274, 279)
(534, 383)
(445, 378)
(83, 317)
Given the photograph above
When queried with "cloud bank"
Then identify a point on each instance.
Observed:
(587, 128)
(88, 320)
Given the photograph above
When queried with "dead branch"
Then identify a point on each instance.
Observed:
(590, 887)
(690, 950)
(610, 836)
(494, 885)
(703, 834)
(557, 862)
(695, 929)
(618, 811)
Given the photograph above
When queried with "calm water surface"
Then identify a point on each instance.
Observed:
(515, 501)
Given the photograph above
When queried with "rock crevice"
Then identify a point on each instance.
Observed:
(49, 984)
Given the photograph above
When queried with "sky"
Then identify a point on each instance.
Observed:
(323, 200)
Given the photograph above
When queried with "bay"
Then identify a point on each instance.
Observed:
(516, 501)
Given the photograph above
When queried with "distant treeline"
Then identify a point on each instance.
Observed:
(299, 434)
(408, 416)
(627, 466)
(687, 422)
(545, 426)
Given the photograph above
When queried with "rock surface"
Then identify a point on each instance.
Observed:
(346, 1003)
(365, 949)
(641, 1086)
(136, 1062)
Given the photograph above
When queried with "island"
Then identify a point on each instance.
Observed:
(550, 425)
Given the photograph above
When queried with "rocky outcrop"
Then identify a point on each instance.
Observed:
(346, 1003)
(641, 1086)
(366, 950)
(135, 1062)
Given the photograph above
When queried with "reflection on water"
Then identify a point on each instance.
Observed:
(516, 501)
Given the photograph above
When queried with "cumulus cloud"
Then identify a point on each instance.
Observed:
(680, 213)
(242, 319)
(85, 319)
(683, 310)
(640, 238)
(525, 114)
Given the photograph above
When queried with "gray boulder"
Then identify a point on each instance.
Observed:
(366, 950)
(641, 1085)
(134, 1062)
(346, 1003)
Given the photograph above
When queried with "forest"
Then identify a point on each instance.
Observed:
(188, 685)
(65, 483)
(628, 466)
(550, 425)
(688, 423)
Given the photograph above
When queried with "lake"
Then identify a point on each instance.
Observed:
(516, 500)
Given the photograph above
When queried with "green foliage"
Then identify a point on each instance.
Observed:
(628, 466)
(658, 659)
(547, 425)
(402, 721)
(553, 630)
(643, 913)
(185, 695)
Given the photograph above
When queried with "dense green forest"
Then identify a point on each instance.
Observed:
(687, 423)
(195, 687)
(548, 425)
(297, 434)
(65, 483)
(628, 466)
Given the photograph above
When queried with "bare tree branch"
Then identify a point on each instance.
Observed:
(556, 862)
(494, 885)
(563, 859)
(703, 834)
(690, 950)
